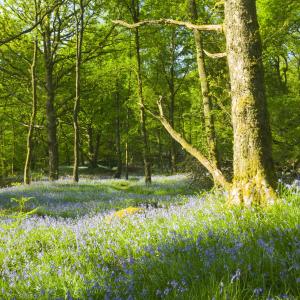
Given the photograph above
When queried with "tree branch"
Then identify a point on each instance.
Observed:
(15, 36)
(212, 168)
(215, 55)
(169, 22)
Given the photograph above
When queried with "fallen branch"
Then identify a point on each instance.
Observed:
(170, 22)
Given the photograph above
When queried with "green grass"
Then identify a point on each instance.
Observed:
(66, 199)
(196, 247)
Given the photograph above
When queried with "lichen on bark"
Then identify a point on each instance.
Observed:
(254, 178)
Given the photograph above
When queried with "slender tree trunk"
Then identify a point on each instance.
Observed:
(79, 39)
(253, 165)
(171, 82)
(90, 134)
(128, 117)
(277, 66)
(126, 161)
(135, 13)
(96, 150)
(50, 109)
(27, 167)
(285, 69)
(146, 158)
(13, 150)
(204, 89)
(2, 155)
(173, 145)
(127, 142)
(3, 166)
(93, 146)
(160, 151)
(118, 135)
(67, 153)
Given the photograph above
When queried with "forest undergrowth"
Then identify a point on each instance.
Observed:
(170, 242)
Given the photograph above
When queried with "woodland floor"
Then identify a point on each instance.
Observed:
(66, 241)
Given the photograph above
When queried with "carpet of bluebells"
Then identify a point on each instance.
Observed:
(182, 245)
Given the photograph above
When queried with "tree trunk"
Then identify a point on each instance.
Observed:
(27, 177)
(118, 135)
(160, 150)
(127, 139)
(12, 169)
(79, 38)
(253, 165)
(50, 109)
(93, 150)
(135, 13)
(147, 164)
(171, 83)
(204, 90)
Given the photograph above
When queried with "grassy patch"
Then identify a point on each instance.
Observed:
(66, 199)
(200, 249)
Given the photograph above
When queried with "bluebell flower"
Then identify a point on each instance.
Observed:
(236, 276)
(258, 291)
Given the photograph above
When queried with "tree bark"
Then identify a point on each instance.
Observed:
(253, 165)
(171, 83)
(169, 22)
(118, 134)
(127, 136)
(146, 150)
(27, 167)
(204, 90)
(50, 109)
(93, 146)
(79, 39)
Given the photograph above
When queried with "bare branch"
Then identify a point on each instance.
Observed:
(169, 22)
(215, 55)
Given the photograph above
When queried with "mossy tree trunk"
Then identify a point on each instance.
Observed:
(253, 166)
(204, 89)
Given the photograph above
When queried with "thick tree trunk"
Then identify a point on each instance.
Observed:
(50, 109)
(79, 38)
(204, 90)
(27, 177)
(253, 165)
